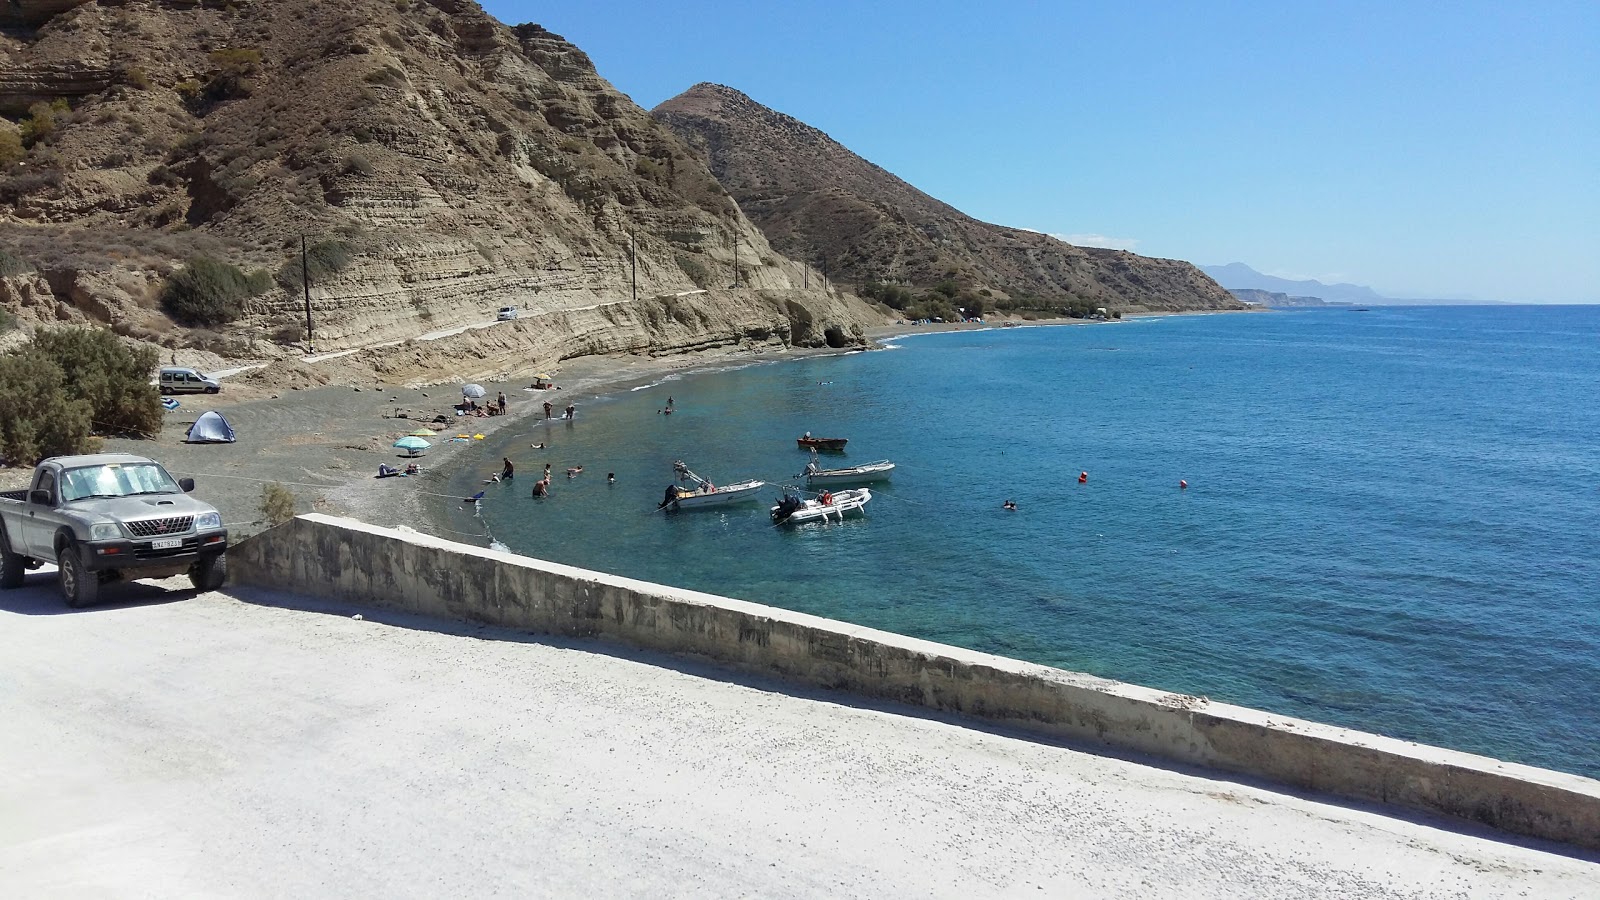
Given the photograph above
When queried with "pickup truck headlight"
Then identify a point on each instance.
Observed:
(104, 531)
(207, 520)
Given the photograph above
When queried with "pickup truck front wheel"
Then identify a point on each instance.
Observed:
(79, 586)
(12, 565)
(209, 572)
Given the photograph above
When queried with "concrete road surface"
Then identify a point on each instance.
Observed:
(171, 744)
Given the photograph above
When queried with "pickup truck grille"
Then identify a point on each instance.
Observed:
(158, 527)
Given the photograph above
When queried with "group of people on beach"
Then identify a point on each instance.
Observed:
(469, 406)
(549, 410)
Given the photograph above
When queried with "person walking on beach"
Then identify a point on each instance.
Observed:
(548, 409)
(502, 402)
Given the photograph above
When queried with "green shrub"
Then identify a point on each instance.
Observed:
(324, 260)
(37, 417)
(11, 149)
(209, 292)
(7, 321)
(111, 376)
(234, 75)
(356, 164)
(12, 264)
(277, 503)
(137, 77)
(41, 121)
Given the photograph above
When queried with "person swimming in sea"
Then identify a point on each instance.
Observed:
(1009, 504)
(575, 471)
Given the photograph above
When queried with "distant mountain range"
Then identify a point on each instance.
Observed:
(1240, 277)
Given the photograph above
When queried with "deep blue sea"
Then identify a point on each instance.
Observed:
(1392, 520)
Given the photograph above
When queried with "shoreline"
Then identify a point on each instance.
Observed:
(324, 442)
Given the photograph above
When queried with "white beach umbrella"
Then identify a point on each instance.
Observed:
(473, 390)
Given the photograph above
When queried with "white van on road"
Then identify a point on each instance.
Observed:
(506, 314)
(177, 380)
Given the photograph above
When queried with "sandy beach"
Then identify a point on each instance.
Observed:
(325, 442)
(321, 429)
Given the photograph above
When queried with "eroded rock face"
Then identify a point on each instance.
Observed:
(23, 86)
(459, 164)
(34, 12)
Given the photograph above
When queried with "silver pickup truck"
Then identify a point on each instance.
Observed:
(109, 516)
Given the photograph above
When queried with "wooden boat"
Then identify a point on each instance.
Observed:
(704, 494)
(873, 471)
(827, 445)
(794, 509)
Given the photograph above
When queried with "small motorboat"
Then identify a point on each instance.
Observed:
(872, 471)
(827, 445)
(794, 509)
(703, 493)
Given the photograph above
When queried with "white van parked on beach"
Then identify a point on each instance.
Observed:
(176, 380)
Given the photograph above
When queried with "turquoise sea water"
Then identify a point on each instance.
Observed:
(1392, 521)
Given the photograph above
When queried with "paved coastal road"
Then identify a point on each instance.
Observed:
(229, 744)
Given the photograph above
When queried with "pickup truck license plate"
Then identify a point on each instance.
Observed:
(166, 543)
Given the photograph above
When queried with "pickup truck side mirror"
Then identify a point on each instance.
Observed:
(41, 497)
(187, 484)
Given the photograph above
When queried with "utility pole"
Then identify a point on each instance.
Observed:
(305, 283)
(633, 257)
(735, 259)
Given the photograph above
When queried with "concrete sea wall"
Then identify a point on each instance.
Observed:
(403, 570)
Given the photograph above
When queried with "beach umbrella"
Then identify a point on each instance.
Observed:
(423, 432)
(473, 390)
(412, 444)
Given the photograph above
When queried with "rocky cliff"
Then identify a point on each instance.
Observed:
(440, 163)
(816, 200)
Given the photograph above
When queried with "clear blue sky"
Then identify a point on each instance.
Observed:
(1425, 149)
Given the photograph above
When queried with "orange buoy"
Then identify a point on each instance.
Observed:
(1183, 485)
(1083, 477)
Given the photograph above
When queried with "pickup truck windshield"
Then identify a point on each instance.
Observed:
(116, 480)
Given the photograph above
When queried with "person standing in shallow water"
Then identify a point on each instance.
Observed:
(548, 409)
(501, 400)
(509, 470)
(571, 409)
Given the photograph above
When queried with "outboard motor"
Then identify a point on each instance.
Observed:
(786, 507)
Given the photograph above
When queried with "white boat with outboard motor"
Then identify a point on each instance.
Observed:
(703, 494)
(872, 471)
(795, 509)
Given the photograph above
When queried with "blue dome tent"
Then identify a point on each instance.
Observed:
(211, 428)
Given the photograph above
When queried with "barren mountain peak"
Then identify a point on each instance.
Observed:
(816, 200)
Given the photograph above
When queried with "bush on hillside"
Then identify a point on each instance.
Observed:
(210, 292)
(112, 376)
(324, 260)
(12, 264)
(234, 75)
(37, 417)
(41, 121)
(11, 149)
